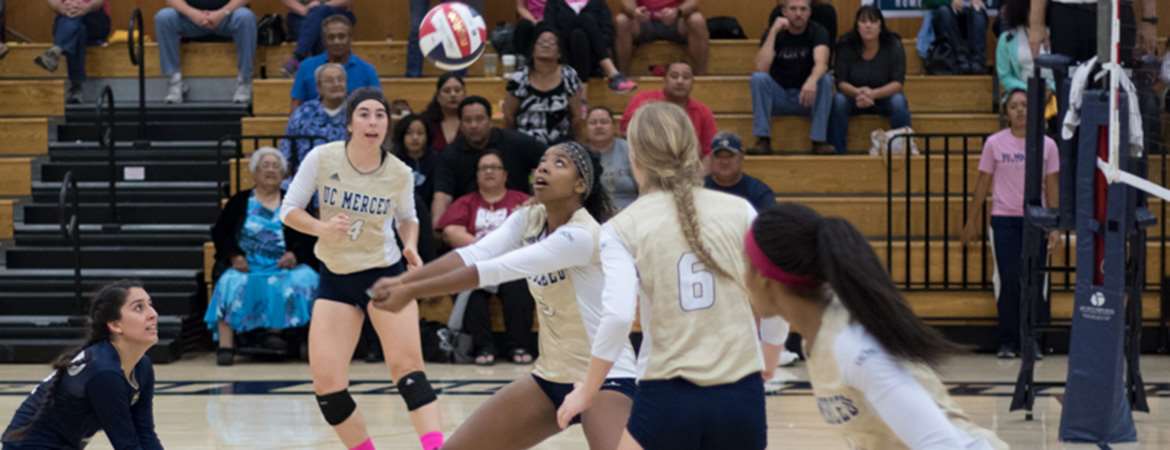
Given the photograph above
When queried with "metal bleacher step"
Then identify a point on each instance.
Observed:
(128, 212)
(111, 257)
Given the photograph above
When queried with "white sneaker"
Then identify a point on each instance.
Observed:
(176, 89)
(243, 92)
(788, 359)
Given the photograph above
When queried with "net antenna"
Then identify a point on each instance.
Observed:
(1111, 169)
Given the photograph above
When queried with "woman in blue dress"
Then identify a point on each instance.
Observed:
(105, 384)
(269, 283)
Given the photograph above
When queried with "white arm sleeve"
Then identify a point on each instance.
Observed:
(619, 297)
(569, 246)
(502, 240)
(303, 186)
(774, 330)
(404, 206)
(897, 397)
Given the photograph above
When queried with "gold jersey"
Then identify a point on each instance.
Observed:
(371, 200)
(846, 408)
(696, 325)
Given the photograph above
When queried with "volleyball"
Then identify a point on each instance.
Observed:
(453, 35)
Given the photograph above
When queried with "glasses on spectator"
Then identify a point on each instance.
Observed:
(491, 168)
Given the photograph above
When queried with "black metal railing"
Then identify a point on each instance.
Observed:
(136, 44)
(935, 189)
(69, 217)
(224, 181)
(105, 124)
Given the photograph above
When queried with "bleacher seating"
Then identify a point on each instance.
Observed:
(852, 186)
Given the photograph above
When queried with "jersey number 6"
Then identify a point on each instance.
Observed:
(696, 286)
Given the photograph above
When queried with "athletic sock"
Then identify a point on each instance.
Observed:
(367, 444)
(431, 441)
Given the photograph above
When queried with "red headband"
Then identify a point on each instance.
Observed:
(769, 269)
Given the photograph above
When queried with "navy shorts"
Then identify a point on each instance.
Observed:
(351, 288)
(557, 392)
(676, 414)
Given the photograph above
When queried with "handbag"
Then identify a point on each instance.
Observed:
(270, 30)
(725, 27)
(880, 142)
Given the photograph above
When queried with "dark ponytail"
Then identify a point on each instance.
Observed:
(598, 203)
(105, 307)
(802, 242)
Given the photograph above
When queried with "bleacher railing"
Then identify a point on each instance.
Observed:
(136, 44)
(69, 217)
(104, 119)
(934, 190)
(234, 144)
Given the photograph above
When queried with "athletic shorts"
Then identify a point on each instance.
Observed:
(676, 414)
(557, 392)
(351, 288)
(657, 31)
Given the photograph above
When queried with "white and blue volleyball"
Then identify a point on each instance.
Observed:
(453, 35)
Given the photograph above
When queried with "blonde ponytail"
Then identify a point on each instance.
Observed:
(663, 143)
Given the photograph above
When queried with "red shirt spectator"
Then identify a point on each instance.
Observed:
(678, 90)
(477, 213)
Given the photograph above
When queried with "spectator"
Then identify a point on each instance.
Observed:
(822, 13)
(268, 284)
(1071, 27)
(1001, 169)
(616, 176)
(456, 172)
(337, 31)
(318, 117)
(470, 218)
(870, 70)
(727, 173)
(411, 143)
(78, 23)
(677, 87)
(442, 113)
(544, 97)
(680, 21)
(200, 18)
(963, 26)
(531, 10)
(586, 31)
(1013, 55)
(418, 9)
(791, 77)
(305, 25)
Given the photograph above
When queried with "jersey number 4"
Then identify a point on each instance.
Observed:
(696, 285)
(355, 229)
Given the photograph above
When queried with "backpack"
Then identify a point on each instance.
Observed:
(444, 345)
(942, 59)
(725, 27)
(270, 30)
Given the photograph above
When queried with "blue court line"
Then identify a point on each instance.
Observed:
(487, 387)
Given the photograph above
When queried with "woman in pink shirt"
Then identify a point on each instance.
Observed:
(1001, 169)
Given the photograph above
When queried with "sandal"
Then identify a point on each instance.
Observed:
(521, 356)
(485, 358)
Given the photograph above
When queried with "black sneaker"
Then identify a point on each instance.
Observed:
(763, 147)
(1005, 353)
(225, 356)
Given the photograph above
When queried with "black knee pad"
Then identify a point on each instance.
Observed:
(336, 407)
(416, 390)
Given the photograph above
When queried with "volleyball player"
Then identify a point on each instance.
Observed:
(362, 192)
(680, 246)
(105, 384)
(553, 243)
(869, 357)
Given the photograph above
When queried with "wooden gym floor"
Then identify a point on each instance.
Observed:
(270, 405)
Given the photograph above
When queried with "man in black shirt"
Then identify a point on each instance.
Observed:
(455, 173)
(791, 77)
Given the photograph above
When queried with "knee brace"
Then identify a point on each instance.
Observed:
(336, 407)
(416, 390)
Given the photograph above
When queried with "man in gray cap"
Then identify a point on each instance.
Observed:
(725, 173)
